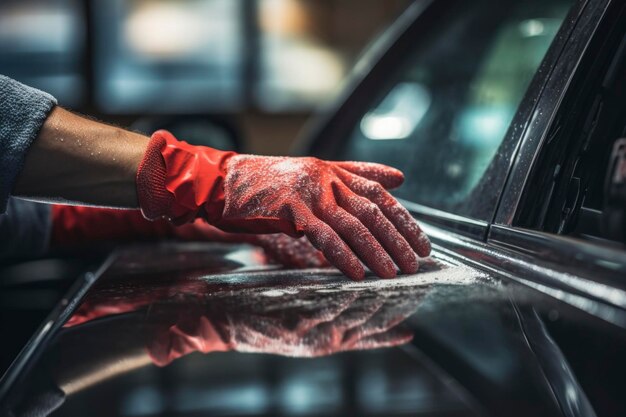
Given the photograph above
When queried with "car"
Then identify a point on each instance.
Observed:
(508, 120)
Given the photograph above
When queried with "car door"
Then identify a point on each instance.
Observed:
(532, 209)
(556, 209)
(559, 227)
(566, 201)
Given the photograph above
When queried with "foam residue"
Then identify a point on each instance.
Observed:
(327, 280)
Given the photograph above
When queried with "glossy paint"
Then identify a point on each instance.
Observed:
(450, 340)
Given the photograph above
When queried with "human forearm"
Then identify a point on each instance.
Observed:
(79, 160)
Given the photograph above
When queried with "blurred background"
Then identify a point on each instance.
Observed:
(230, 73)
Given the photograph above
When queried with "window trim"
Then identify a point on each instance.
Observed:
(589, 273)
(596, 261)
(476, 229)
(535, 260)
(583, 21)
(563, 162)
(586, 259)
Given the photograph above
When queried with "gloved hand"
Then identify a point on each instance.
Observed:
(74, 226)
(341, 207)
(290, 252)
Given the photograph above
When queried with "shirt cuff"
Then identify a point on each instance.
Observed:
(23, 110)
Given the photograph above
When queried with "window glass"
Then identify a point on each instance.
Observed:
(42, 43)
(168, 55)
(442, 115)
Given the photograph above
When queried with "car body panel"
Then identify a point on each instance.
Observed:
(479, 347)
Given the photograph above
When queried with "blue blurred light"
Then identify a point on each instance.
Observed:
(484, 126)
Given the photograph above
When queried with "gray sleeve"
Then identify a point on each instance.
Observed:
(23, 110)
(24, 229)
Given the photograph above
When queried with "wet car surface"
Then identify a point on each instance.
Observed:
(520, 311)
(449, 340)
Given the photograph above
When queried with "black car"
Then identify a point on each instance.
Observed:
(506, 117)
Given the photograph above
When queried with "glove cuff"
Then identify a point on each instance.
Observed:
(181, 182)
(155, 200)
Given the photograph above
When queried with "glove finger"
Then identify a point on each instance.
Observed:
(299, 253)
(392, 209)
(373, 218)
(277, 256)
(288, 251)
(360, 240)
(335, 250)
(387, 176)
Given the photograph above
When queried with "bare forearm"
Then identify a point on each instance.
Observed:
(75, 159)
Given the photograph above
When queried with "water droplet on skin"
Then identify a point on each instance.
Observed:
(62, 139)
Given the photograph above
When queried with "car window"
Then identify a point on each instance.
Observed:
(443, 114)
(578, 180)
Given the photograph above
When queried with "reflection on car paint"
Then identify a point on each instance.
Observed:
(226, 337)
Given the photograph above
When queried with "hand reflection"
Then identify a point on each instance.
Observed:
(279, 316)
(307, 324)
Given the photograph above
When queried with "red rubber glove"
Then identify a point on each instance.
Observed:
(290, 252)
(74, 226)
(341, 207)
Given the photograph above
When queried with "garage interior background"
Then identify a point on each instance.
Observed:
(227, 73)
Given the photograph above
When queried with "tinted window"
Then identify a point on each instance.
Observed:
(442, 115)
